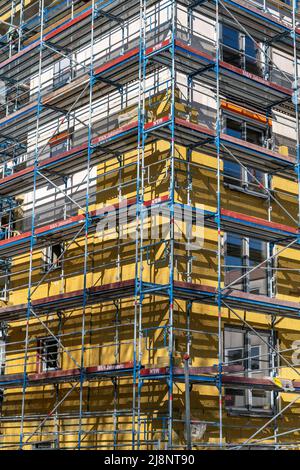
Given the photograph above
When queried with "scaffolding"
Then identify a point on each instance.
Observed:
(112, 129)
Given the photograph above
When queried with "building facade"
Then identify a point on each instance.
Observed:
(149, 248)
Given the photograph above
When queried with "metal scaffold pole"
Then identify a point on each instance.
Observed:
(218, 217)
(118, 119)
(172, 225)
(139, 217)
(296, 99)
(86, 227)
(33, 222)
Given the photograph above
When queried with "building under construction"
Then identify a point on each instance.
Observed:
(149, 224)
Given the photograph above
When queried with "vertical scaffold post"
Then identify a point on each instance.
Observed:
(186, 359)
(87, 224)
(33, 219)
(218, 219)
(171, 223)
(20, 32)
(138, 285)
(296, 102)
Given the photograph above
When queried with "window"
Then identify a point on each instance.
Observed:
(255, 178)
(2, 352)
(251, 56)
(3, 334)
(48, 354)
(60, 143)
(244, 130)
(248, 179)
(251, 352)
(231, 45)
(240, 50)
(234, 128)
(4, 280)
(259, 447)
(241, 255)
(232, 173)
(52, 257)
(62, 72)
(2, 93)
(254, 357)
(235, 355)
(46, 445)
(254, 135)
(233, 260)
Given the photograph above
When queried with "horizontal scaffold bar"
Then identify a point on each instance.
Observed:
(182, 290)
(260, 92)
(197, 375)
(124, 139)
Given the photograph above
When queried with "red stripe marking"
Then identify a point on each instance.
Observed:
(128, 55)
(68, 24)
(18, 174)
(158, 46)
(77, 218)
(209, 132)
(237, 70)
(154, 371)
(258, 220)
(49, 35)
(129, 284)
(116, 61)
(162, 120)
(60, 223)
(76, 372)
(42, 163)
(28, 107)
(20, 54)
(110, 367)
(15, 238)
(197, 127)
(255, 147)
(114, 132)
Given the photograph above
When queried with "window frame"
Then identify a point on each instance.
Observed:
(43, 358)
(2, 351)
(234, 349)
(61, 143)
(5, 277)
(259, 61)
(245, 265)
(256, 128)
(245, 124)
(244, 183)
(48, 262)
(59, 148)
(43, 445)
(248, 408)
(59, 72)
(240, 122)
(4, 290)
